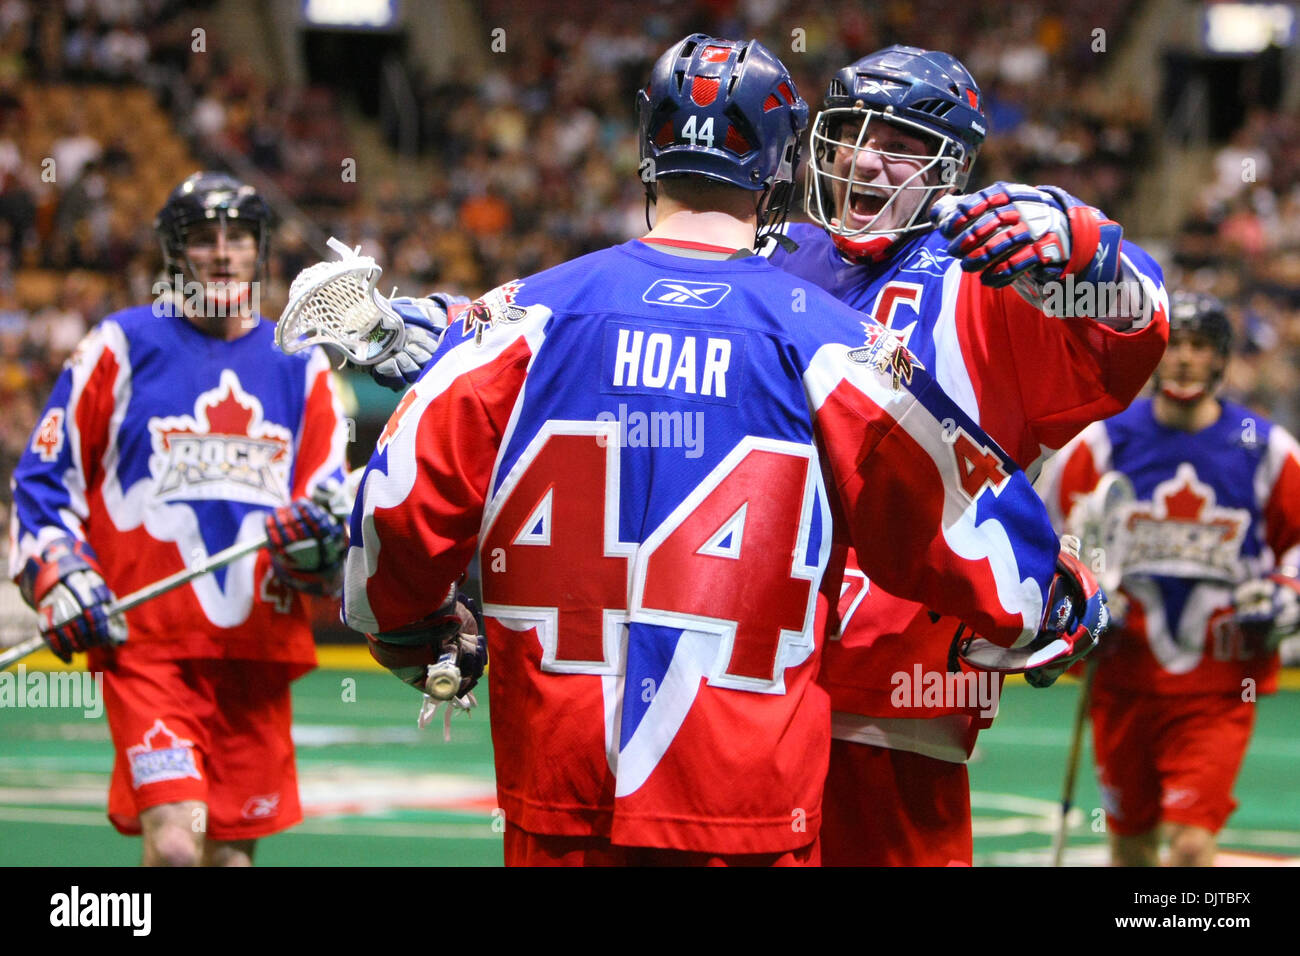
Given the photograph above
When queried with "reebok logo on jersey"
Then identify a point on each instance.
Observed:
(926, 262)
(161, 756)
(685, 293)
(226, 450)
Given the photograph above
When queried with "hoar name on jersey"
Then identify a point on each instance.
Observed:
(670, 359)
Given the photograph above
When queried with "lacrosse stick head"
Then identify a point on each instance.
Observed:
(1098, 521)
(335, 303)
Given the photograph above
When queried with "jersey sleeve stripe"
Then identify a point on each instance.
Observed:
(471, 391)
(1277, 491)
(323, 435)
(1003, 540)
(50, 497)
(951, 371)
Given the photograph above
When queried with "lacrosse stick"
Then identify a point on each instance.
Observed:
(339, 504)
(335, 303)
(1098, 521)
(443, 687)
(1072, 764)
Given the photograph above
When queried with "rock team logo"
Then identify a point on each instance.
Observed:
(226, 450)
(161, 756)
(497, 304)
(1182, 532)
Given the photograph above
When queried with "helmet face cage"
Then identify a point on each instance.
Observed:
(210, 197)
(923, 93)
(947, 168)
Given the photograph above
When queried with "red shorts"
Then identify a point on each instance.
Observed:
(524, 848)
(215, 731)
(894, 808)
(1168, 758)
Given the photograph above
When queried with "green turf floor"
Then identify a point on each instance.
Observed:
(380, 792)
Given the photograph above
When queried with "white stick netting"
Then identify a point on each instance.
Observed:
(335, 303)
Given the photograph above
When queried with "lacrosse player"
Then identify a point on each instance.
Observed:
(651, 598)
(174, 431)
(1209, 587)
(1036, 319)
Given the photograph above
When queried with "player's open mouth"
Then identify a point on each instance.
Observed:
(864, 207)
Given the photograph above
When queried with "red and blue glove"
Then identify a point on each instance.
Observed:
(1076, 617)
(1009, 229)
(454, 633)
(307, 544)
(66, 587)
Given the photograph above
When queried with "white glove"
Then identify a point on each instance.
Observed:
(425, 319)
(1267, 611)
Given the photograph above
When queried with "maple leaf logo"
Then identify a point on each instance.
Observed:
(228, 416)
(160, 737)
(161, 755)
(225, 450)
(1184, 504)
(1183, 531)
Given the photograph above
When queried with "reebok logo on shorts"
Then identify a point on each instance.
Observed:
(261, 807)
(162, 756)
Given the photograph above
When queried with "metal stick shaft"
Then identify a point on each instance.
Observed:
(1072, 765)
(342, 507)
(149, 592)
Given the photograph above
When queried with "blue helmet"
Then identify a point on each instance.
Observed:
(926, 94)
(210, 197)
(726, 111)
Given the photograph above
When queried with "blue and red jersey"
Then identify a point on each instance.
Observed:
(161, 445)
(1214, 508)
(1030, 380)
(661, 462)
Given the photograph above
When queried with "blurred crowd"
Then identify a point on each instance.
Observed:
(1241, 241)
(535, 153)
